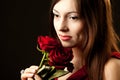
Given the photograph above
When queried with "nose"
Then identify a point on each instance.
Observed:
(63, 25)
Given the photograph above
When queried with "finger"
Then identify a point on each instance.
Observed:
(30, 70)
(24, 76)
(34, 67)
(37, 77)
(30, 79)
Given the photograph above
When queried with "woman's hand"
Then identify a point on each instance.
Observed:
(30, 74)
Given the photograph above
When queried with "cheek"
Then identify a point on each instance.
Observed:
(77, 26)
(55, 25)
(77, 31)
(80, 27)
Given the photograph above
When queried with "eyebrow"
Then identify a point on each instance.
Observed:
(55, 10)
(67, 12)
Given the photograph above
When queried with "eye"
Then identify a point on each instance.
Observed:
(74, 17)
(55, 15)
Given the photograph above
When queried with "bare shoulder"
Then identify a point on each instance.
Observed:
(112, 69)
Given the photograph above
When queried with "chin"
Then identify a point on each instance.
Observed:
(69, 45)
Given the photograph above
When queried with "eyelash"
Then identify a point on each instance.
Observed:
(74, 17)
(55, 15)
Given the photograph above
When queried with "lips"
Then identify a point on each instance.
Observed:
(65, 37)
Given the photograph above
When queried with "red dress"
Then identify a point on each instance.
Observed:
(82, 73)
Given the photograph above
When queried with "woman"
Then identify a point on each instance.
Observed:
(86, 27)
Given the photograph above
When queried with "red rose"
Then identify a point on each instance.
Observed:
(47, 43)
(60, 58)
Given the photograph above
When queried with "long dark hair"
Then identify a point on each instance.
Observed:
(99, 38)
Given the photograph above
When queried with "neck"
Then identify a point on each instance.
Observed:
(77, 59)
(77, 53)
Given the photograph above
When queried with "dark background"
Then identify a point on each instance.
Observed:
(21, 23)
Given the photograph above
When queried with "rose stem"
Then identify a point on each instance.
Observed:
(44, 54)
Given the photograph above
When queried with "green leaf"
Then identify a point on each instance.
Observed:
(45, 70)
(58, 73)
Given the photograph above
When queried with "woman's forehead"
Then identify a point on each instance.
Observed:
(65, 5)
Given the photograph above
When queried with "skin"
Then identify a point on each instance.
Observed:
(30, 73)
(112, 69)
(67, 23)
(68, 26)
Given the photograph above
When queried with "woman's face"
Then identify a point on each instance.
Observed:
(67, 23)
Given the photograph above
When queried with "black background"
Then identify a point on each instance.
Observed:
(21, 23)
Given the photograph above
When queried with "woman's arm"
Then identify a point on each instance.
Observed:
(112, 69)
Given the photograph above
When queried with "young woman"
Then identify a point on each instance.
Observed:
(86, 27)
